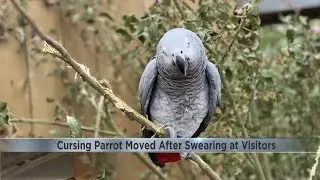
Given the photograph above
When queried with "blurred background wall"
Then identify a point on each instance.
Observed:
(25, 86)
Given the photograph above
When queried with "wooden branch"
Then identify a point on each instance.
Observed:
(56, 123)
(105, 91)
(232, 41)
(27, 84)
(98, 117)
(205, 167)
(31, 164)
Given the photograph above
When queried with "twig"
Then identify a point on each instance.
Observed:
(27, 84)
(98, 118)
(266, 164)
(99, 108)
(314, 167)
(189, 8)
(31, 164)
(233, 40)
(244, 130)
(228, 93)
(109, 122)
(176, 3)
(205, 167)
(55, 123)
(251, 105)
(106, 92)
(56, 55)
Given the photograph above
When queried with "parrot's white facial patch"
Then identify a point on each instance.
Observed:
(179, 50)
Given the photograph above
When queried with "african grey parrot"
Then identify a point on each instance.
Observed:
(179, 89)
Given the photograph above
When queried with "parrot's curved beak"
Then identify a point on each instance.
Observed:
(181, 64)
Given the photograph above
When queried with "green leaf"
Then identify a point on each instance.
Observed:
(142, 38)
(57, 111)
(106, 15)
(315, 91)
(254, 10)
(4, 116)
(6, 119)
(75, 128)
(124, 33)
(90, 21)
(129, 20)
(303, 20)
(103, 175)
(269, 81)
(229, 74)
(49, 100)
(76, 17)
(290, 34)
(3, 106)
(190, 25)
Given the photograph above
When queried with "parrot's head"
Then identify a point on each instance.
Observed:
(180, 53)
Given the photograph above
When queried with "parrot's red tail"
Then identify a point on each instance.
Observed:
(167, 157)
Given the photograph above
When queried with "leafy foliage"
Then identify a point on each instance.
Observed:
(4, 115)
(75, 128)
(268, 91)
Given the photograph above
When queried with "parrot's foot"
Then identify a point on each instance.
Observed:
(170, 132)
(186, 155)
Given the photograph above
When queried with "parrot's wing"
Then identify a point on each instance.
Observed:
(146, 85)
(214, 87)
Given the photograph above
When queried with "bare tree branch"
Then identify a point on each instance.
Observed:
(105, 91)
(27, 84)
(56, 123)
(205, 167)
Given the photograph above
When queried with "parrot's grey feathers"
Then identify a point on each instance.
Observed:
(214, 81)
(179, 89)
(214, 84)
(146, 85)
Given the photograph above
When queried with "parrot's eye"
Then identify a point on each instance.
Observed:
(188, 44)
(181, 52)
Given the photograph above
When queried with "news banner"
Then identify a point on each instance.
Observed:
(200, 145)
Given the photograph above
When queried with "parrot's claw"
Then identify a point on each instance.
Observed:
(170, 132)
(186, 155)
